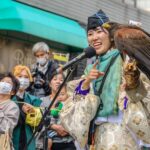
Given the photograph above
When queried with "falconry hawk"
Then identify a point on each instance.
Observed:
(133, 41)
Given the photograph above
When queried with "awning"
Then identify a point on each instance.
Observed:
(19, 17)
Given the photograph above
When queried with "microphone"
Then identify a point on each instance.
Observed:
(88, 53)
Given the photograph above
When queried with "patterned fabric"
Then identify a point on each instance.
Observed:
(136, 119)
(111, 84)
(111, 136)
(137, 113)
(77, 113)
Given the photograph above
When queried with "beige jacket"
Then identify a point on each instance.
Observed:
(9, 115)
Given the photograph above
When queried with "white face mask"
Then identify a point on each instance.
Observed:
(24, 83)
(42, 61)
(5, 88)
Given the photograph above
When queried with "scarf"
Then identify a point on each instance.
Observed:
(110, 91)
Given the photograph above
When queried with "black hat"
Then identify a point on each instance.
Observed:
(97, 20)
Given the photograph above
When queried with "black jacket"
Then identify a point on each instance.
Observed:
(44, 90)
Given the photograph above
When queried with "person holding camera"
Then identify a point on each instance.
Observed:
(42, 70)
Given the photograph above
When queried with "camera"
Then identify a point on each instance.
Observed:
(39, 77)
(38, 81)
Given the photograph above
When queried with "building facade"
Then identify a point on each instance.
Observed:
(21, 26)
(118, 10)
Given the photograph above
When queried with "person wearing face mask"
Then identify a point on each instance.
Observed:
(23, 132)
(9, 111)
(42, 71)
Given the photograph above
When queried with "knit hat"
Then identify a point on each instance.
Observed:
(96, 20)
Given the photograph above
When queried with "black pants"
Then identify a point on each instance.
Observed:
(63, 146)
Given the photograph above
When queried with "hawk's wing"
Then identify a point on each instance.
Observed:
(136, 43)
